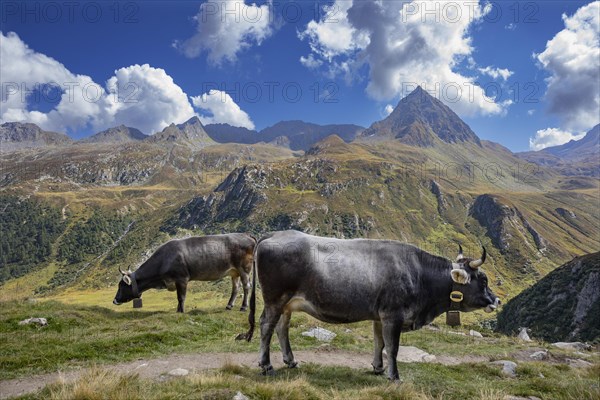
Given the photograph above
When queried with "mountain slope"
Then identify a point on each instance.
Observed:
(356, 190)
(117, 134)
(18, 135)
(563, 306)
(419, 119)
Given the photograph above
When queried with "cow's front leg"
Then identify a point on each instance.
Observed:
(245, 277)
(268, 321)
(235, 283)
(378, 350)
(181, 291)
(391, 339)
(283, 330)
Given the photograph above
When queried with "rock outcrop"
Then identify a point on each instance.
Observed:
(505, 225)
(563, 306)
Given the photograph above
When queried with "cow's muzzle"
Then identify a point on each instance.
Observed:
(493, 306)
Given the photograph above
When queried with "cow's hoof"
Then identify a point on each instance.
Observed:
(292, 364)
(228, 307)
(394, 379)
(268, 371)
(378, 371)
(243, 309)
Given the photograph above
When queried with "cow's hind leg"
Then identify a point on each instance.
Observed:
(377, 352)
(391, 338)
(181, 291)
(283, 329)
(235, 283)
(268, 320)
(246, 285)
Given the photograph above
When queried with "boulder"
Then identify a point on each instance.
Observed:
(539, 355)
(509, 368)
(578, 363)
(240, 396)
(523, 335)
(179, 372)
(38, 321)
(475, 334)
(577, 346)
(320, 334)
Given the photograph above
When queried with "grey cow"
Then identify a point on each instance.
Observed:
(397, 286)
(205, 258)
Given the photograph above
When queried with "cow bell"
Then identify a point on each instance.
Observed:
(453, 318)
(137, 303)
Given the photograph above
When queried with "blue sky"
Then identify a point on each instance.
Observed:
(346, 76)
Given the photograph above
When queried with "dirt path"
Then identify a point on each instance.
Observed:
(159, 367)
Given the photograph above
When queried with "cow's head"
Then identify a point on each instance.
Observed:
(127, 290)
(473, 283)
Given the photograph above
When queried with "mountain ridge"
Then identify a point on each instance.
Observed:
(295, 134)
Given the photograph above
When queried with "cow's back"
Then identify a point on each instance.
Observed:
(211, 257)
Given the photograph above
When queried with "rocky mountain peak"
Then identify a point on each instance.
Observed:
(192, 121)
(330, 143)
(117, 134)
(191, 133)
(420, 119)
(22, 135)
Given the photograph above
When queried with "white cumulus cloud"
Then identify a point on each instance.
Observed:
(572, 57)
(404, 45)
(148, 99)
(25, 72)
(552, 137)
(496, 73)
(140, 96)
(226, 27)
(218, 107)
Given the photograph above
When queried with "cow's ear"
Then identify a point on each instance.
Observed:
(127, 279)
(460, 276)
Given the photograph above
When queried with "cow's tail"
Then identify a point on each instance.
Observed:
(252, 313)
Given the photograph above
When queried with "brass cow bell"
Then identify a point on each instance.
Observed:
(137, 303)
(453, 318)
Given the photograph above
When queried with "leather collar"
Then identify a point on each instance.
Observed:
(134, 286)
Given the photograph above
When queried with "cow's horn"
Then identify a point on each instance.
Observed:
(477, 263)
(121, 271)
(460, 253)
